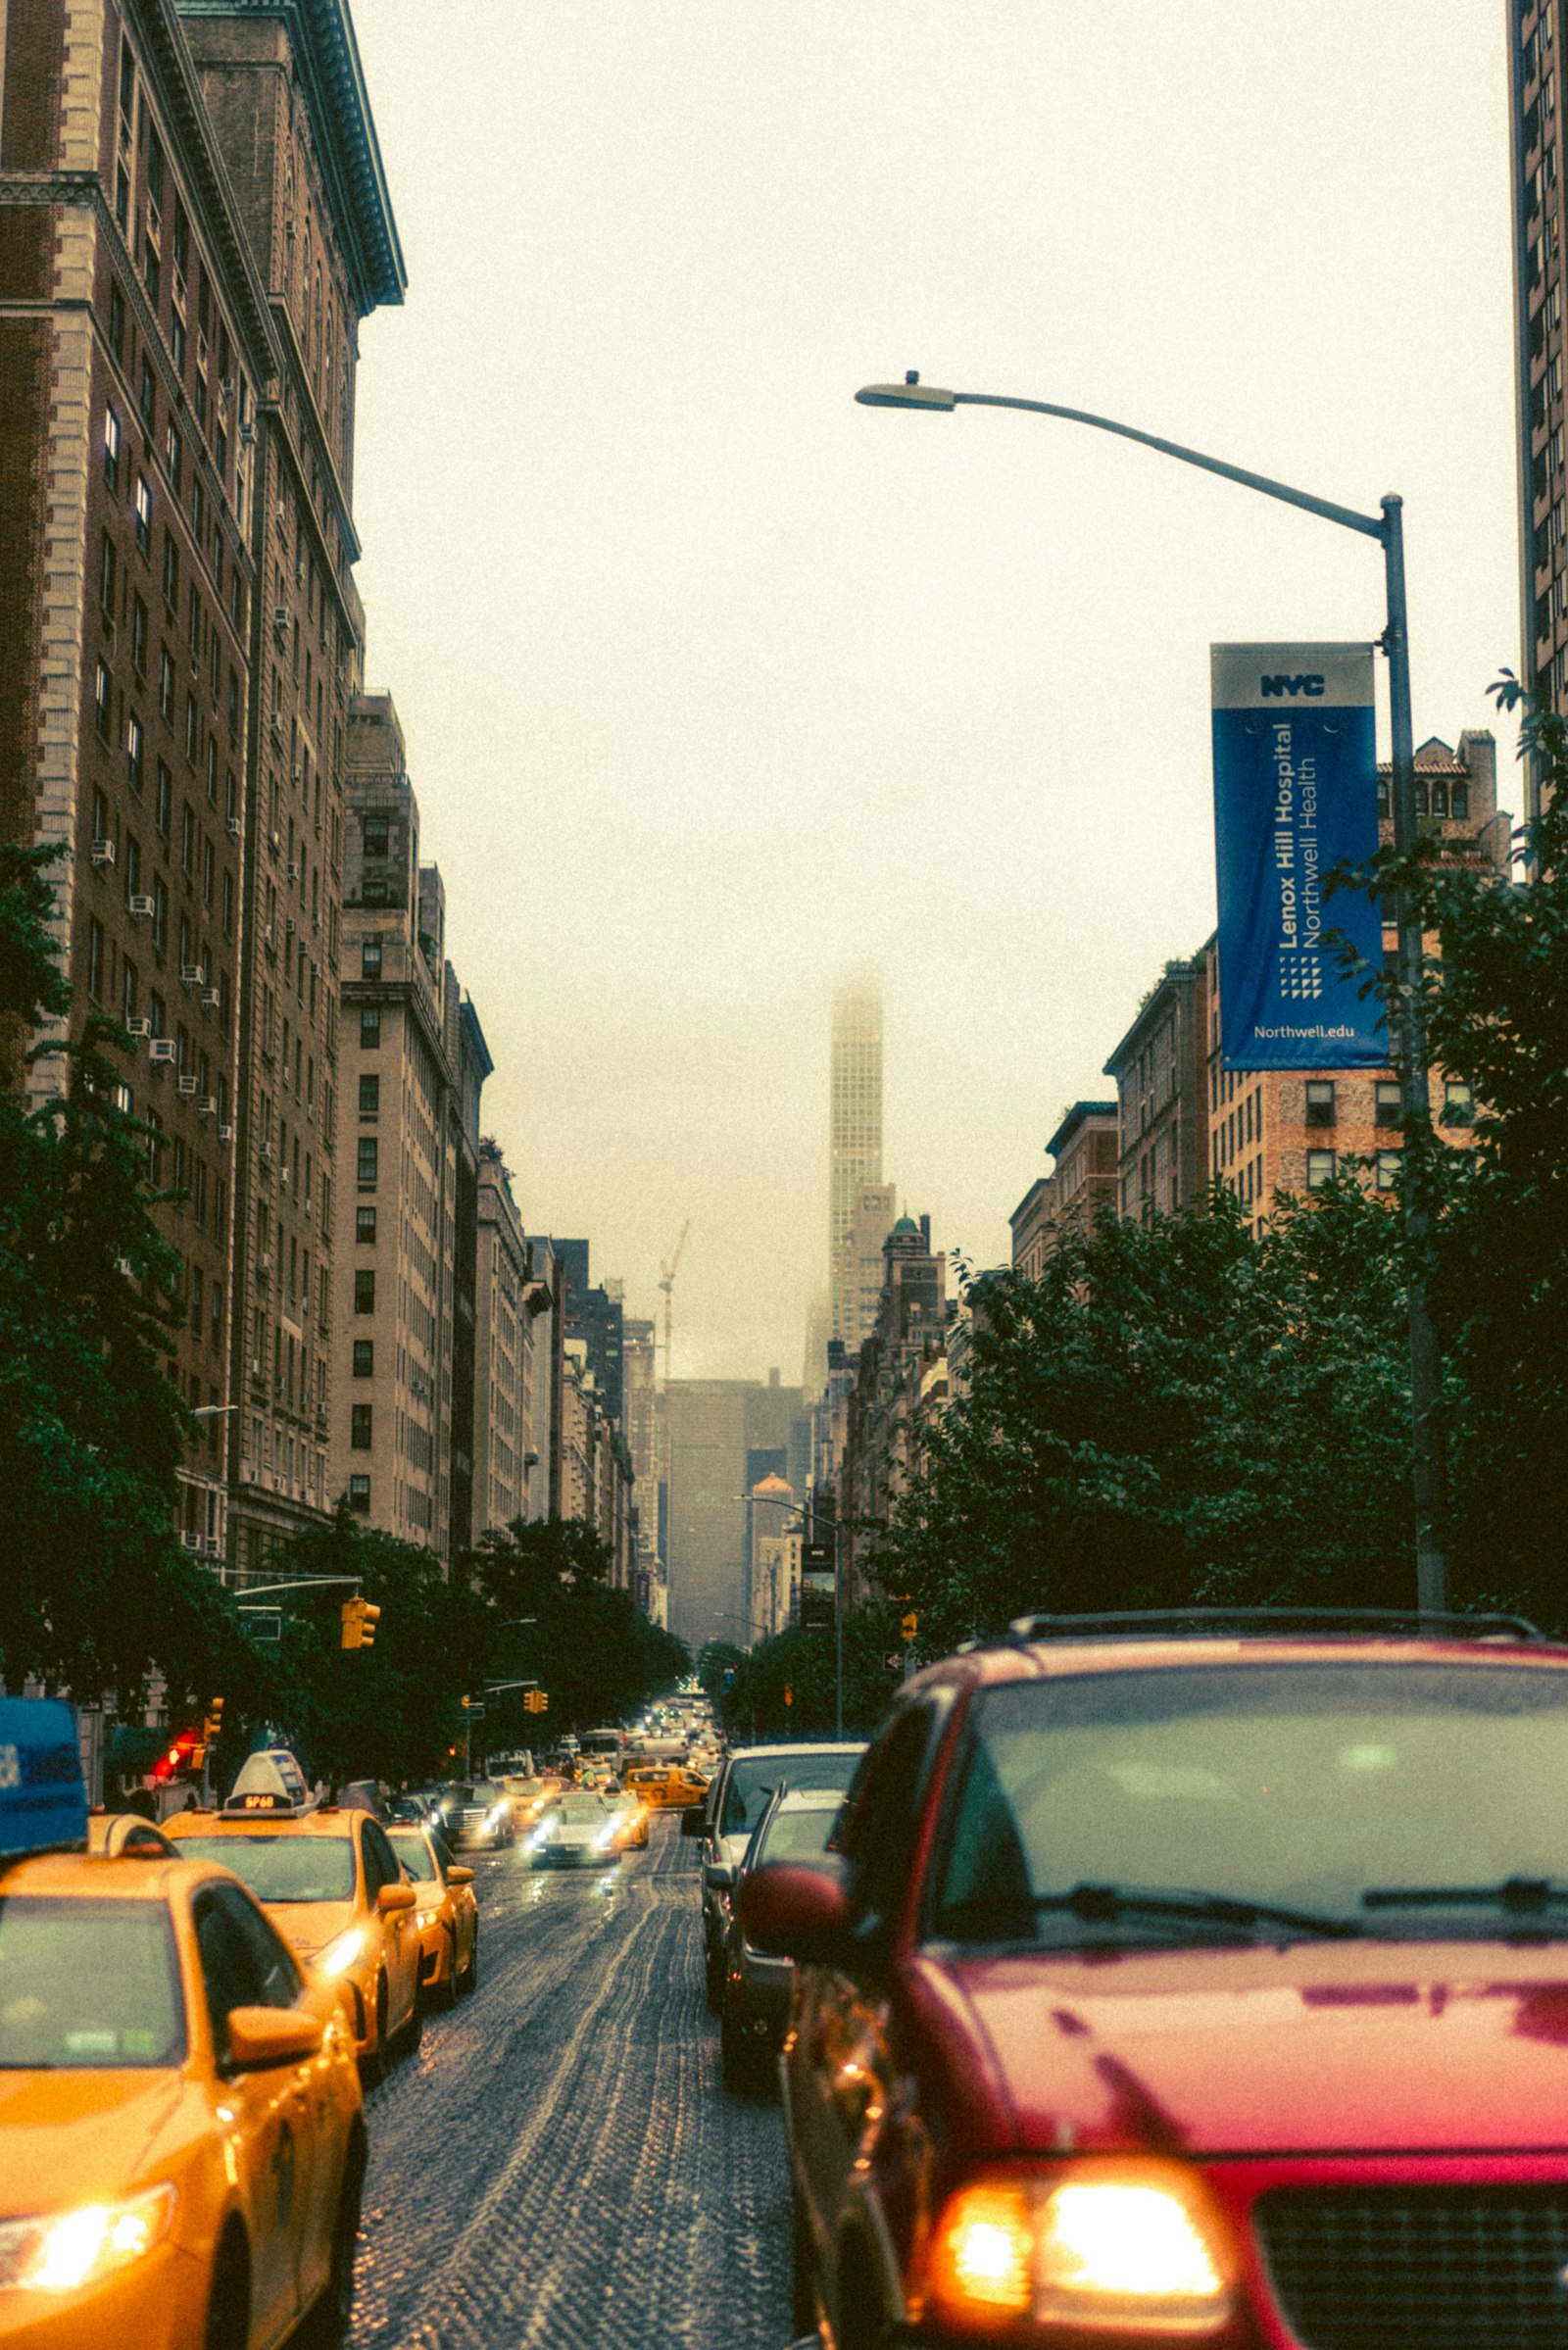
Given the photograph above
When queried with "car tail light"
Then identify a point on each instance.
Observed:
(1103, 2247)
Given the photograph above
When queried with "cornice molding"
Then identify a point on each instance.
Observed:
(321, 36)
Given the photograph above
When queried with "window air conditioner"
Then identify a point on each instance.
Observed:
(139, 1027)
(123, 1265)
(141, 909)
(225, 1134)
(233, 828)
(211, 998)
(207, 1106)
(191, 974)
(264, 1266)
(280, 618)
(191, 1540)
(187, 1087)
(161, 1049)
(293, 873)
(264, 1151)
(103, 854)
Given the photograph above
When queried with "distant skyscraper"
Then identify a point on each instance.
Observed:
(1541, 267)
(855, 1135)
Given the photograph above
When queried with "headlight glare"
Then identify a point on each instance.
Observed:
(339, 1955)
(1106, 2249)
(78, 2248)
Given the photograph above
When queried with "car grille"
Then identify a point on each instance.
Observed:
(1419, 2268)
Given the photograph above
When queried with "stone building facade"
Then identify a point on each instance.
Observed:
(1160, 1071)
(137, 346)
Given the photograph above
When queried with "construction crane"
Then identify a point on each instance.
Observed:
(666, 1282)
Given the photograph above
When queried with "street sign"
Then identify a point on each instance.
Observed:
(895, 1662)
(263, 1623)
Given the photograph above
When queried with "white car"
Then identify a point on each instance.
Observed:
(577, 1833)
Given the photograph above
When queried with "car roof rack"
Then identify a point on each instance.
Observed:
(1225, 1623)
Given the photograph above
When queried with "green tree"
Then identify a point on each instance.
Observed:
(786, 1686)
(584, 1640)
(97, 1592)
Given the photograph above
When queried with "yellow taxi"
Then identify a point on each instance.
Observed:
(665, 1787)
(332, 1886)
(181, 2135)
(446, 1914)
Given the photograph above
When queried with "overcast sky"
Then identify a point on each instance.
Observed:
(714, 683)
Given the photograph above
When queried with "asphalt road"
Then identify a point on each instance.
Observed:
(560, 2166)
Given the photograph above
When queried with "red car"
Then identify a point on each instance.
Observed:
(1197, 1979)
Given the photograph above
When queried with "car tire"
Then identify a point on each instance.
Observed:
(467, 1983)
(413, 2032)
(327, 2326)
(742, 2073)
(373, 2064)
(802, 2277)
(229, 2306)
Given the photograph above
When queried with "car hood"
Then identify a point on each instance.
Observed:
(308, 1926)
(1310, 2049)
(83, 2138)
(582, 1831)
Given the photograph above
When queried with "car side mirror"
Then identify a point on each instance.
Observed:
(796, 1909)
(720, 1877)
(694, 1820)
(394, 1897)
(258, 2037)
(458, 1875)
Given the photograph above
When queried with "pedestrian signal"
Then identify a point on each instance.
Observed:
(360, 1620)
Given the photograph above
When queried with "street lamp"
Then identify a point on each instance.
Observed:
(1425, 1368)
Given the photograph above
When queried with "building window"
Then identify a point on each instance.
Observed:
(111, 448)
(360, 1495)
(163, 798)
(364, 1293)
(1458, 1103)
(1320, 1104)
(369, 1027)
(101, 702)
(369, 1097)
(173, 453)
(117, 320)
(187, 839)
(373, 890)
(1459, 797)
(1388, 1111)
(171, 571)
(166, 686)
(370, 959)
(160, 916)
(369, 1153)
(1388, 1170)
(148, 401)
(95, 961)
(134, 754)
(1320, 1167)
(139, 636)
(360, 1427)
(376, 834)
(108, 569)
(363, 1358)
(365, 1224)
(192, 728)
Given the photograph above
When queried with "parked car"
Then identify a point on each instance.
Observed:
(736, 1801)
(447, 1916)
(1199, 1978)
(756, 1999)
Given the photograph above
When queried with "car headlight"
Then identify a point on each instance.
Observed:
(606, 1837)
(339, 1955)
(1103, 2248)
(82, 2247)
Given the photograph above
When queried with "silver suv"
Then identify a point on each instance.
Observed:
(736, 1801)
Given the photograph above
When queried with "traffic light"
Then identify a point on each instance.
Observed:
(535, 1701)
(909, 1624)
(181, 1756)
(212, 1726)
(360, 1620)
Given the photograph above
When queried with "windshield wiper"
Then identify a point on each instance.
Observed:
(1525, 1897)
(1107, 1904)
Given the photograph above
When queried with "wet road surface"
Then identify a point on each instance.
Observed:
(558, 2165)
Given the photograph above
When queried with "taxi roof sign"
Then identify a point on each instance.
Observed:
(43, 1804)
(271, 1781)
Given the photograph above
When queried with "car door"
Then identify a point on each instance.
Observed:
(848, 2089)
(401, 1933)
(320, 2146)
(258, 2109)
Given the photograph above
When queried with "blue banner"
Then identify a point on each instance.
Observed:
(1296, 793)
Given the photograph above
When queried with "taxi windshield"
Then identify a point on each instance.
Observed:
(1326, 1789)
(412, 1850)
(87, 1984)
(281, 1868)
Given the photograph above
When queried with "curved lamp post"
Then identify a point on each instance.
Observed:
(1425, 1368)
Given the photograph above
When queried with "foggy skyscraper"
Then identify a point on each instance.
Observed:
(854, 1137)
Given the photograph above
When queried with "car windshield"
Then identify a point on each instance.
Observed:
(754, 1778)
(797, 1835)
(1315, 1788)
(88, 1982)
(412, 1850)
(583, 1807)
(283, 1868)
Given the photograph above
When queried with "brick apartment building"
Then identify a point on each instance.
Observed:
(1541, 221)
(1160, 1069)
(1282, 1130)
(284, 92)
(885, 1404)
(136, 347)
(413, 1060)
(1083, 1181)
